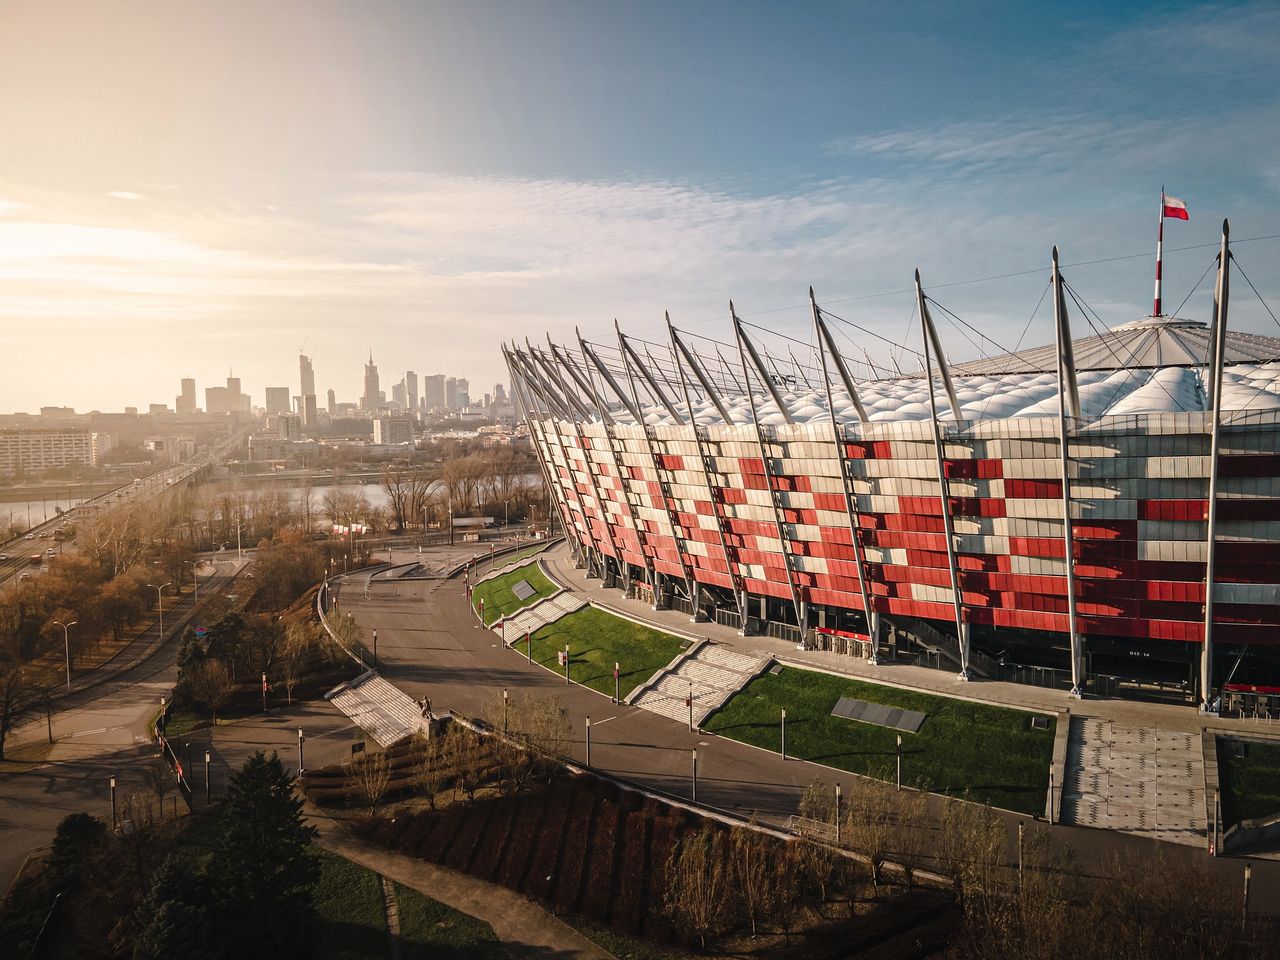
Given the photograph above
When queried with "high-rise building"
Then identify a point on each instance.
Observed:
(370, 400)
(433, 391)
(462, 398)
(499, 394)
(29, 451)
(217, 400)
(411, 392)
(451, 393)
(277, 400)
(398, 396)
(288, 426)
(157, 408)
(186, 401)
(333, 402)
(307, 377)
(237, 402)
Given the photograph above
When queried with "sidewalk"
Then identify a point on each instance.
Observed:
(1130, 712)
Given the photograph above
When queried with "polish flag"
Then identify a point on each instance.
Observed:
(1175, 209)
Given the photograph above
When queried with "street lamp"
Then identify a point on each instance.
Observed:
(195, 583)
(66, 644)
(160, 602)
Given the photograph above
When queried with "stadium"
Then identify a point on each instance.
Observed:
(924, 516)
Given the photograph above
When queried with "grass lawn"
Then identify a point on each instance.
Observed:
(991, 753)
(352, 925)
(348, 902)
(596, 640)
(499, 601)
(1251, 783)
(432, 931)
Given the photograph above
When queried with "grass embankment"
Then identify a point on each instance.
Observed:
(596, 641)
(990, 753)
(352, 923)
(1250, 783)
(498, 599)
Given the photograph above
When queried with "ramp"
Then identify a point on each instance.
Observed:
(381, 710)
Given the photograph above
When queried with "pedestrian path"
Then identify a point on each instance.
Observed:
(379, 708)
(1138, 780)
(530, 619)
(704, 678)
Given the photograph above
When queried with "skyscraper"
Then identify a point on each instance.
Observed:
(462, 398)
(307, 376)
(398, 395)
(369, 402)
(451, 393)
(411, 392)
(186, 403)
(433, 391)
(277, 400)
(333, 402)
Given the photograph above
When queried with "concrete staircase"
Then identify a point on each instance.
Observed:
(709, 674)
(532, 618)
(1138, 780)
(380, 709)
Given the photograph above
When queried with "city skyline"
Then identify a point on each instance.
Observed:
(376, 193)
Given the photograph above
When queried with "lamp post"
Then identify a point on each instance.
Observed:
(837, 814)
(899, 761)
(113, 802)
(66, 645)
(300, 766)
(588, 741)
(506, 705)
(160, 602)
(206, 776)
(375, 648)
(695, 774)
(566, 664)
(239, 551)
(506, 516)
(195, 582)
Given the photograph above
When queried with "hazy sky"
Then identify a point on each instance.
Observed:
(191, 187)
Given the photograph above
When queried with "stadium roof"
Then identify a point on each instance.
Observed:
(1152, 366)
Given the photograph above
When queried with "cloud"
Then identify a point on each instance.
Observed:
(126, 195)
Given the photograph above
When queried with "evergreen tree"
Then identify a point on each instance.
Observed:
(263, 872)
(79, 837)
(173, 920)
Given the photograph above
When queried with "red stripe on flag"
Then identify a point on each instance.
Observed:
(1176, 213)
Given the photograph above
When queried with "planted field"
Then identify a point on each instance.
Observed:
(990, 753)
(578, 846)
(500, 601)
(1250, 775)
(596, 641)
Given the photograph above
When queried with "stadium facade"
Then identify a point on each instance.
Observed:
(926, 515)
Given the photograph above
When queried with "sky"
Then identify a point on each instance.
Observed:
(188, 188)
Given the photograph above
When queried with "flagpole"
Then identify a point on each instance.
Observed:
(1159, 254)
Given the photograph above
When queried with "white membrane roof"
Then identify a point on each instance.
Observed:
(1156, 365)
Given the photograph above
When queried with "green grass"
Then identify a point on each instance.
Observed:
(596, 640)
(348, 902)
(1251, 783)
(432, 931)
(989, 753)
(500, 602)
(352, 924)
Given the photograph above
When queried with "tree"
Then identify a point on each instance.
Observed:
(429, 767)
(700, 884)
(212, 686)
(752, 870)
(372, 774)
(173, 919)
(263, 873)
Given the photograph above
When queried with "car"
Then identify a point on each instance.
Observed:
(51, 552)
(25, 576)
(3, 557)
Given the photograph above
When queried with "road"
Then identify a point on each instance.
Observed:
(99, 730)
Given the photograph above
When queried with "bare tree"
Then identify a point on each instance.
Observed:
(699, 892)
(753, 872)
(429, 768)
(372, 774)
(868, 826)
